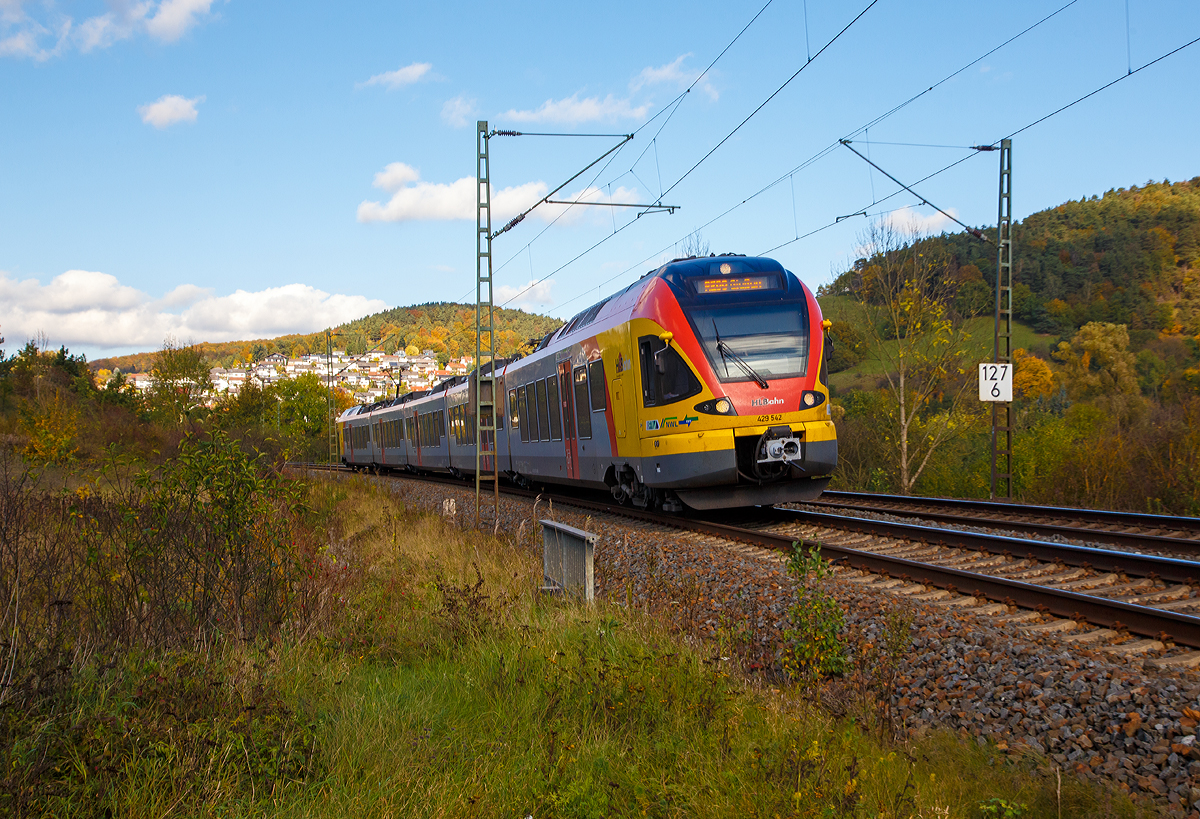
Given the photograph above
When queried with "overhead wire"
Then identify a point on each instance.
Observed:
(672, 106)
(774, 94)
(825, 151)
(1104, 87)
(834, 145)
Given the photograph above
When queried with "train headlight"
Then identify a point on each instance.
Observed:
(810, 399)
(716, 406)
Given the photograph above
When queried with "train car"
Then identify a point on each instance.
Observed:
(713, 396)
(700, 385)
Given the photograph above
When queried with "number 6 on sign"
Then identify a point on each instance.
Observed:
(995, 382)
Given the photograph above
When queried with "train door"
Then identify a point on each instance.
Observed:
(618, 405)
(566, 392)
(417, 442)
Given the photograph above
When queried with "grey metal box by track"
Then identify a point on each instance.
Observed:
(568, 559)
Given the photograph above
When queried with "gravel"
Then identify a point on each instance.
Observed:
(1083, 710)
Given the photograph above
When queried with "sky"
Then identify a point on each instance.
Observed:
(212, 170)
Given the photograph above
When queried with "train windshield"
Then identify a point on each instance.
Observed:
(770, 339)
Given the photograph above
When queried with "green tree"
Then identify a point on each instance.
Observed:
(180, 381)
(907, 291)
(303, 405)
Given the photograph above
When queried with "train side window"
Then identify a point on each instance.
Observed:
(441, 426)
(535, 432)
(543, 410)
(512, 409)
(666, 377)
(554, 404)
(597, 385)
(522, 414)
(583, 418)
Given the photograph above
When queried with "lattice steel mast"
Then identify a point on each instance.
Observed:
(1002, 426)
(486, 462)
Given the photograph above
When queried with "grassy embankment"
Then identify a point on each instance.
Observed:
(418, 673)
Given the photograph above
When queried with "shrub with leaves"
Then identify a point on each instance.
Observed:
(814, 642)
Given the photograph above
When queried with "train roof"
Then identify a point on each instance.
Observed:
(676, 272)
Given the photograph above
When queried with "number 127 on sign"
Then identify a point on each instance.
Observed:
(995, 382)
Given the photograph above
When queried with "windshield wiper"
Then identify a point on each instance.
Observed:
(724, 349)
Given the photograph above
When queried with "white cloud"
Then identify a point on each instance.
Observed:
(21, 35)
(170, 109)
(413, 200)
(174, 17)
(528, 295)
(395, 176)
(573, 111)
(908, 221)
(673, 73)
(83, 308)
(185, 294)
(407, 75)
(457, 112)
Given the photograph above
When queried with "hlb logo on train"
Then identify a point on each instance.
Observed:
(672, 422)
(766, 402)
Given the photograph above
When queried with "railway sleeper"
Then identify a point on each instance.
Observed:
(1051, 627)
(1179, 605)
(1172, 593)
(1061, 577)
(989, 609)
(1088, 582)
(959, 602)
(1190, 659)
(1135, 647)
(1089, 636)
(1117, 591)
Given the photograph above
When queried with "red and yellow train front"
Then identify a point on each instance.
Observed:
(725, 400)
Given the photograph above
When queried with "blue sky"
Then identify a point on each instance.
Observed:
(221, 169)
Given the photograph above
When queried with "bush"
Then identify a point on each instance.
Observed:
(814, 644)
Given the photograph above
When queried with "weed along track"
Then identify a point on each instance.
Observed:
(1101, 701)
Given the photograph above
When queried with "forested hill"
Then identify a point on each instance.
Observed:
(1128, 257)
(448, 329)
(444, 326)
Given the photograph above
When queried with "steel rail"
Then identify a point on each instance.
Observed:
(1102, 516)
(1125, 539)
(1173, 569)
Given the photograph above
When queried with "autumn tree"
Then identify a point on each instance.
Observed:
(1032, 377)
(907, 293)
(1099, 368)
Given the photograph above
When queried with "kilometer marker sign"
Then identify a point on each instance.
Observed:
(995, 382)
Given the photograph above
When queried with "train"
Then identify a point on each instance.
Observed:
(703, 385)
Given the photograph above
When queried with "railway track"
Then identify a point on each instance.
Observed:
(1128, 604)
(1156, 534)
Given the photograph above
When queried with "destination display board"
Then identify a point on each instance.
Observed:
(736, 284)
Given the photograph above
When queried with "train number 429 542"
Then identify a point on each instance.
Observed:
(769, 419)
